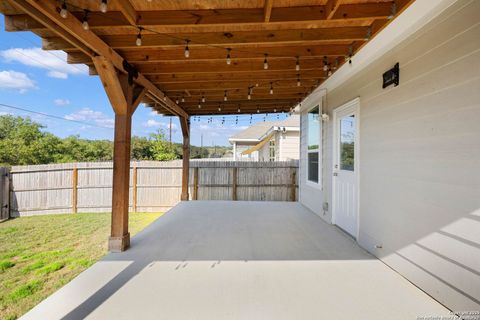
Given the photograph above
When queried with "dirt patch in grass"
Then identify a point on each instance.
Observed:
(38, 255)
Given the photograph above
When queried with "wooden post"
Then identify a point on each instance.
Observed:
(234, 183)
(293, 185)
(75, 190)
(185, 123)
(134, 195)
(195, 184)
(4, 194)
(125, 98)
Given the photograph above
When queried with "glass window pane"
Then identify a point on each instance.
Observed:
(347, 143)
(313, 166)
(313, 129)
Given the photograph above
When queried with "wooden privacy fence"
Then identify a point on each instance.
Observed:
(154, 186)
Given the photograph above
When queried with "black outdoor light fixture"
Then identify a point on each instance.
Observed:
(392, 76)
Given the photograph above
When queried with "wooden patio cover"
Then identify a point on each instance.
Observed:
(199, 57)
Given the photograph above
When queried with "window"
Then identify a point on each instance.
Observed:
(347, 143)
(271, 150)
(313, 144)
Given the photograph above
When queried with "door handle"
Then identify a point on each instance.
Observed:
(335, 174)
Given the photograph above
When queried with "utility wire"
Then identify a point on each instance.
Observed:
(53, 116)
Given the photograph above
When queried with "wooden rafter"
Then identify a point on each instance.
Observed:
(267, 10)
(74, 27)
(331, 8)
(128, 11)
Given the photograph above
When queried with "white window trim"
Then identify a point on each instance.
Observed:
(310, 183)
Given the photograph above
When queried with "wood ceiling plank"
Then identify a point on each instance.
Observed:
(219, 66)
(164, 54)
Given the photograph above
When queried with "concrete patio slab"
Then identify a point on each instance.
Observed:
(239, 260)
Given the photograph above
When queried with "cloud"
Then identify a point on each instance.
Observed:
(61, 102)
(87, 114)
(151, 123)
(53, 61)
(15, 80)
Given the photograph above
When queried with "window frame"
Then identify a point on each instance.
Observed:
(309, 182)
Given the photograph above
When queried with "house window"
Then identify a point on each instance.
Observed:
(272, 150)
(313, 144)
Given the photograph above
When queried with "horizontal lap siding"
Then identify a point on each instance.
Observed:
(420, 157)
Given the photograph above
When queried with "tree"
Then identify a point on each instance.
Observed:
(161, 149)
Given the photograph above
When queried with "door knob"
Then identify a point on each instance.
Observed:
(335, 174)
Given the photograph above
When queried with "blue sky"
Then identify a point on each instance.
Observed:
(41, 81)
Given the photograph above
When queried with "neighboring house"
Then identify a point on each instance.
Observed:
(268, 141)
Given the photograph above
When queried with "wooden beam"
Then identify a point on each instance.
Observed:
(267, 10)
(167, 54)
(185, 124)
(46, 22)
(112, 84)
(226, 20)
(74, 28)
(331, 7)
(128, 11)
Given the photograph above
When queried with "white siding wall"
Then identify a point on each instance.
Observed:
(420, 157)
(289, 145)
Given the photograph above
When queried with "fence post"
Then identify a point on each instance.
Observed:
(293, 185)
(195, 184)
(74, 189)
(234, 184)
(134, 191)
(5, 194)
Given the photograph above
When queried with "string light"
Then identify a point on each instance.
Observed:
(183, 99)
(335, 66)
(297, 65)
(63, 10)
(271, 87)
(229, 60)
(249, 96)
(258, 109)
(325, 63)
(187, 50)
(164, 98)
(219, 108)
(274, 110)
(203, 98)
(369, 34)
(199, 106)
(238, 110)
(138, 42)
(176, 101)
(85, 21)
(103, 6)
(393, 11)
(329, 72)
(265, 62)
(225, 96)
(298, 81)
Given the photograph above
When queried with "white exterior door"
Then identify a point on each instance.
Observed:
(345, 168)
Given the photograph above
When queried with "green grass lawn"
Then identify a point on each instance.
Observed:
(38, 255)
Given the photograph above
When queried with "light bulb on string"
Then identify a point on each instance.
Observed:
(203, 98)
(138, 42)
(63, 10)
(229, 59)
(297, 65)
(85, 24)
(103, 6)
(325, 63)
(187, 50)
(183, 99)
(225, 98)
(298, 81)
(271, 87)
(265, 62)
